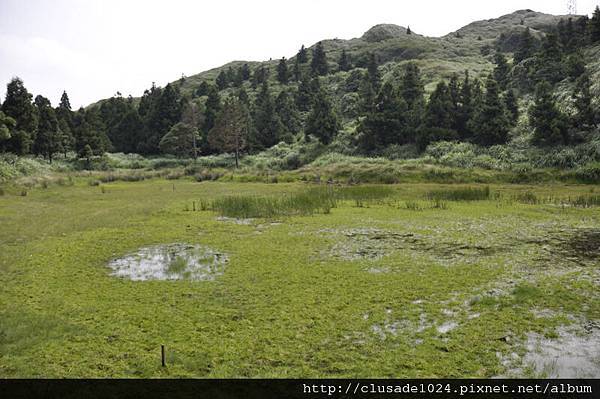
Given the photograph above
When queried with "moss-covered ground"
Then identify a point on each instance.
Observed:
(394, 287)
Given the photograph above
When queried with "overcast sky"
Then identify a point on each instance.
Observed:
(94, 48)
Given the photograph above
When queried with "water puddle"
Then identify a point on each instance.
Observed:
(569, 355)
(170, 262)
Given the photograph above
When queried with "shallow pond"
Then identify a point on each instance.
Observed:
(170, 262)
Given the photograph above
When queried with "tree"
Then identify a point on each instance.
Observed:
(180, 140)
(322, 122)
(231, 129)
(48, 139)
(548, 123)
(490, 124)
(288, 114)
(165, 113)
(260, 76)
(89, 133)
(7, 124)
(130, 131)
(512, 106)
(526, 47)
(373, 72)
(595, 26)
(408, 31)
(302, 55)
(412, 92)
(245, 72)
(191, 117)
(501, 70)
(222, 81)
(344, 62)
(268, 126)
(64, 114)
(386, 124)
(283, 72)
(202, 89)
(318, 63)
(18, 106)
(438, 118)
(305, 93)
(212, 108)
(582, 97)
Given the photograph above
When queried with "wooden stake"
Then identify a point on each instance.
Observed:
(162, 356)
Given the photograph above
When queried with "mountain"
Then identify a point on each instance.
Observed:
(438, 57)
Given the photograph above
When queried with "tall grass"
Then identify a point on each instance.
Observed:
(461, 194)
(314, 200)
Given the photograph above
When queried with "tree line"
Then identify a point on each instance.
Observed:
(247, 110)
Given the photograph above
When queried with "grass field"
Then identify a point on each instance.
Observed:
(404, 283)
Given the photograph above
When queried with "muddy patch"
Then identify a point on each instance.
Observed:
(374, 244)
(170, 262)
(571, 354)
(580, 245)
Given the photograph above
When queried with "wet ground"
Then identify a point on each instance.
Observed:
(170, 262)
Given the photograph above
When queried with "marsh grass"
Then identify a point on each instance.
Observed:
(461, 194)
(314, 200)
(581, 201)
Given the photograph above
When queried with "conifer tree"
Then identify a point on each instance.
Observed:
(211, 111)
(319, 61)
(373, 72)
(501, 70)
(283, 72)
(526, 47)
(267, 125)
(222, 81)
(202, 89)
(322, 121)
(297, 70)
(48, 138)
(412, 92)
(7, 125)
(512, 106)
(288, 114)
(344, 62)
(180, 140)
(245, 72)
(595, 26)
(302, 55)
(548, 122)
(490, 124)
(582, 98)
(408, 31)
(165, 113)
(18, 106)
(386, 124)
(438, 118)
(230, 133)
(130, 131)
(64, 114)
(305, 93)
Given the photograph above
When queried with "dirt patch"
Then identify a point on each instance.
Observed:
(374, 244)
(170, 262)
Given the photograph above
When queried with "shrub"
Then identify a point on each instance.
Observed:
(461, 194)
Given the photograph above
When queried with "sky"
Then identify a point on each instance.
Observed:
(94, 48)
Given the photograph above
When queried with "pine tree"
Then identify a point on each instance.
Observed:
(549, 66)
(230, 133)
(268, 127)
(366, 94)
(595, 26)
(466, 108)
(245, 72)
(48, 138)
(512, 106)
(282, 72)
(438, 113)
(297, 70)
(202, 89)
(222, 81)
(322, 122)
(64, 115)
(260, 76)
(373, 72)
(18, 106)
(165, 114)
(548, 123)
(408, 31)
(582, 98)
(412, 92)
(305, 93)
(89, 134)
(130, 130)
(526, 47)
(302, 55)
(288, 114)
(344, 62)
(212, 108)
(180, 140)
(501, 70)
(7, 125)
(319, 61)
(490, 124)
(386, 124)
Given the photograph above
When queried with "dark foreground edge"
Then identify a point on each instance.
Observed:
(298, 388)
